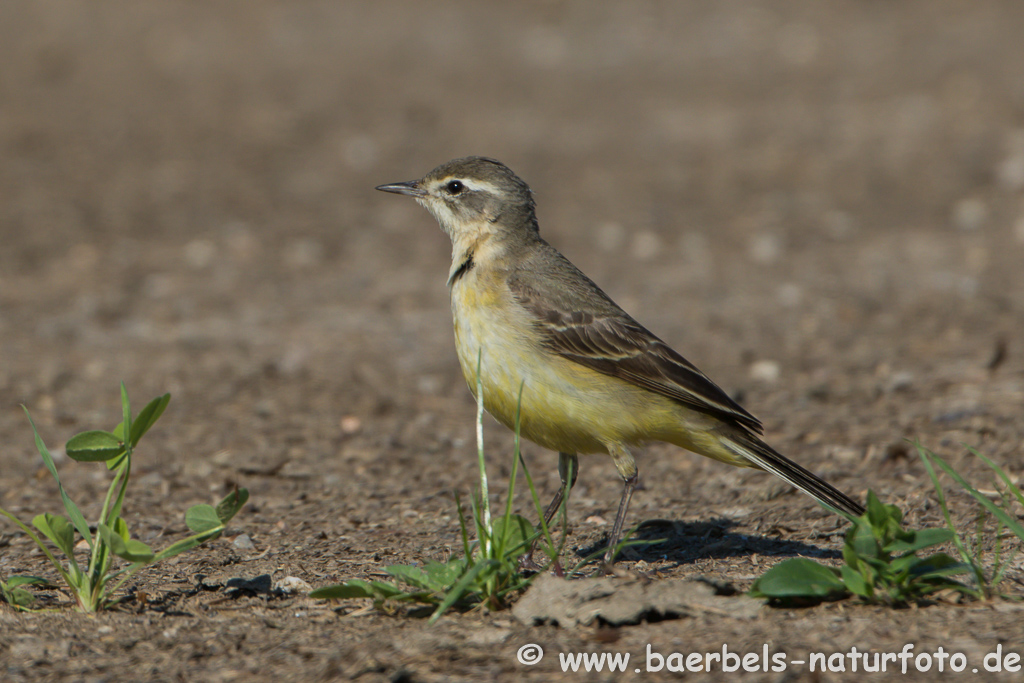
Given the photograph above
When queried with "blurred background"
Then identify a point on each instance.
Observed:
(822, 205)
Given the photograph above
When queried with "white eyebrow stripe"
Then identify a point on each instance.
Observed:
(476, 185)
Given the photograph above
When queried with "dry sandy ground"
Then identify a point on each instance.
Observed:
(822, 205)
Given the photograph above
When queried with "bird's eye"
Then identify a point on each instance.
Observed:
(454, 187)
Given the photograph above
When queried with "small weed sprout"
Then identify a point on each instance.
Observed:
(881, 564)
(880, 557)
(95, 583)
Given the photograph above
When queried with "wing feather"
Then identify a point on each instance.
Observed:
(608, 340)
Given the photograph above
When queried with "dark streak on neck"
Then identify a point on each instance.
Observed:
(463, 268)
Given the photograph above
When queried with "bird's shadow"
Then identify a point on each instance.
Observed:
(683, 543)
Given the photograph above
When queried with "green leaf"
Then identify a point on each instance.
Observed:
(461, 587)
(232, 503)
(202, 518)
(77, 518)
(378, 591)
(16, 597)
(341, 591)
(94, 446)
(137, 551)
(939, 565)
(148, 416)
(855, 582)
(414, 576)
(903, 566)
(512, 533)
(877, 513)
(922, 538)
(59, 530)
(433, 576)
(130, 549)
(121, 528)
(861, 541)
(22, 580)
(798, 577)
(445, 574)
(206, 522)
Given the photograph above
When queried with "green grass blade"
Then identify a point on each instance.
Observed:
(925, 456)
(77, 518)
(512, 478)
(1014, 489)
(1000, 514)
(544, 531)
(119, 484)
(42, 546)
(126, 418)
(485, 501)
(463, 528)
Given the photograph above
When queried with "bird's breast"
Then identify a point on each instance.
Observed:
(565, 406)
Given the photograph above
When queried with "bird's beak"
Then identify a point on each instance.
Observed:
(411, 188)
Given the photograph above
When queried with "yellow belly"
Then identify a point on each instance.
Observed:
(565, 406)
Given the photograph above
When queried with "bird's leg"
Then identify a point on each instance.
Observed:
(567, 463)
(626, 466)
(568, 470)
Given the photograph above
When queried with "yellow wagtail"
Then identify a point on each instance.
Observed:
(593, 379)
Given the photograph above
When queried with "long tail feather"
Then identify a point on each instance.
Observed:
(770, 460)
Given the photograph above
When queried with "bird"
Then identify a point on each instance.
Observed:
(553, 349)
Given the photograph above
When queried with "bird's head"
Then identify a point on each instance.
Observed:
(472, 198)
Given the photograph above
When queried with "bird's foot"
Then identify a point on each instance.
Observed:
(527, 565)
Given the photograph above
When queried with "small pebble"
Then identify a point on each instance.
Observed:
(350, 424)
(292, 585)
(765, 249)
(243, 542)
(765, 371)
(900, 381)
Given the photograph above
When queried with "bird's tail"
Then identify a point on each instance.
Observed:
(764, 456)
